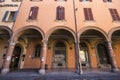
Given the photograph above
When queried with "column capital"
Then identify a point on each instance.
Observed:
(12, 43)
(44, 41)
(109, 41)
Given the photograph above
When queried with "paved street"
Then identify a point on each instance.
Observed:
(61, 75)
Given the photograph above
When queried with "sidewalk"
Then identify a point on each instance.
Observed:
(61, 75)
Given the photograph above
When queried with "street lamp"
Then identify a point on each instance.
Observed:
(79, 67)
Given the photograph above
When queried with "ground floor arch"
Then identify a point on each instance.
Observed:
(61, 50)
(114, 35)
(97, 47)
(5, 34)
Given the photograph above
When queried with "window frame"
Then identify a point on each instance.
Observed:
(114, 14)
(60, 13)
(107, 1)
(37, 51)
(36, 0)
(85, 0)
(16, 0)
(6, 17)
(88, 14)
(33, 13)
(2, 1)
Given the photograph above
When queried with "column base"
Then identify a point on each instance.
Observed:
(114, 70)
(5, 71)
(42, 71)
(79, 72)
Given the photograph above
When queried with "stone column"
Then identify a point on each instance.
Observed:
(43, 59)
(6, 64)
(112, 58)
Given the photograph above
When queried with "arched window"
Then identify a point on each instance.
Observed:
(37, 51)
(33, 13)
(60, 13)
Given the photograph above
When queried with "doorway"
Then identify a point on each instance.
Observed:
(59, 56)
(15, 58)
(85, 62)
(103, 56)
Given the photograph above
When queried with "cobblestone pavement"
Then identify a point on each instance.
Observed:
(63, 75)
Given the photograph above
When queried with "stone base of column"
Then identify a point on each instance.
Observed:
(114, 70)
(5, 71)
(79, 72)
(42, 71)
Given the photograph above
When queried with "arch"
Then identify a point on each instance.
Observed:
(112, 31)
(19, 32)
(94, 28)
(59, 27)
(7, 29)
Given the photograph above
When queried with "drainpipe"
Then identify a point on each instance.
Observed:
(78, 65)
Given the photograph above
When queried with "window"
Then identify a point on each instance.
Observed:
(10, 16)
(61, 0)
(35, 0)
(2, 0)
(86, 0)
(60, 13)
(37, 51)
(16, 0)
(114, 14)
(107, 0)
(33, 13)
(88, 14)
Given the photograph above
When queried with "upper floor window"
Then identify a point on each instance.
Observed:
(37, 51)
(2, 0)
(88, 14)
(107, 0)
(35, 0)
(16, 0)
(114, 14)
(86, 0)
(10, 16)
(33, 13)
(61, 0)
(60, 13)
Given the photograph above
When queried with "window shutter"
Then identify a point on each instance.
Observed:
(5, 16)
(35, 12)
(90, 14)
(1, 0)
(104, 0)
(86, 14)
(110, 0)
(58, 13)
(81, 0)
(62, 13)
(112, 14)
(116, 14)
(90, 0)
(15, 16)
(31, 13)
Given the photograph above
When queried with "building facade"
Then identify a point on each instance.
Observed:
(64, 34)
(8, 14)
